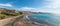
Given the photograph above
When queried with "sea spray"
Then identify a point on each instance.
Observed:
(26, 18)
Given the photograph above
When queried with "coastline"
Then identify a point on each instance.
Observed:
(39, 22)
(23, 20)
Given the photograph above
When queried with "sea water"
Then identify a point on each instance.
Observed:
(50, 18)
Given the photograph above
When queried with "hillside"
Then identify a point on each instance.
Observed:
(5, 13)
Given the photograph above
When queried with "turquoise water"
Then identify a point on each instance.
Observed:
(50, 18)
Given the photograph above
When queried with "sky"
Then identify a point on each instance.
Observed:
(52, 6)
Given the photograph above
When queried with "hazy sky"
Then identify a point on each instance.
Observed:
(32, 5)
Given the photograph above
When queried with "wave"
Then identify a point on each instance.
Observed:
(38, 22)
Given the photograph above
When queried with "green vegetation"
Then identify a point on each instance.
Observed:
(2, 16)
(13, 14)
(5, 13)
(10, 14)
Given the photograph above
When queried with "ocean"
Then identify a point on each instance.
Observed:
(47, 18)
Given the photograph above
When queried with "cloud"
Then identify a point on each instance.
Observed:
(27, 9)
(30, 9)
(7, 5)
(53, 6)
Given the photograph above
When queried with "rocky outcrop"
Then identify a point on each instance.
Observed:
(8, 21)
(22, 21)
(32, 22)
